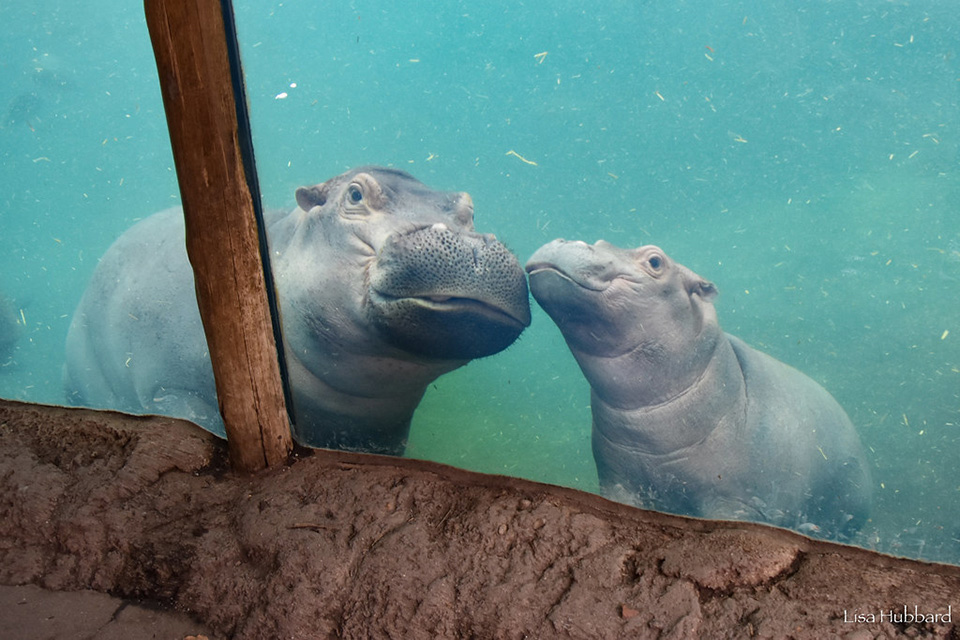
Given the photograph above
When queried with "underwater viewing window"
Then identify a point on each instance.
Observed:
(791, 177)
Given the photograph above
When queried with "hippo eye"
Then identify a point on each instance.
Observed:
(355, 194)
(655, 262)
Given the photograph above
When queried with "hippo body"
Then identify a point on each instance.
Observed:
(383, 286)
(687, 418)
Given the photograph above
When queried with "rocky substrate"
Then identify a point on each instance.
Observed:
(346, 545)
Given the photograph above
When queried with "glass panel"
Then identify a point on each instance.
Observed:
(86, 155)
(805, 162)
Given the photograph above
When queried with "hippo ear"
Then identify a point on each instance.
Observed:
(310, 197)
(698, 286)
(706, 289)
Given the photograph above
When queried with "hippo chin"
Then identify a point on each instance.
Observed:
(383, 286)
(686, 418)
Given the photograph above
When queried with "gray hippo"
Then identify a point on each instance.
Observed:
(383, 286)
(687, 418)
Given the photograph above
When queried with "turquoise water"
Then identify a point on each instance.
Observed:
(806, 161)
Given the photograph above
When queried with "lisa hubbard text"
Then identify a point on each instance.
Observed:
(900, 617)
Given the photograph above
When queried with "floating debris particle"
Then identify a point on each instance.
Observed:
(520, 157)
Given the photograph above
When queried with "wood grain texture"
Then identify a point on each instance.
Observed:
(222, 242)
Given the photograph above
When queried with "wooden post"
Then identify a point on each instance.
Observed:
(222, 242)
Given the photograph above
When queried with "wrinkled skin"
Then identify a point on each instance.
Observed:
(383, 286)
(687, 418)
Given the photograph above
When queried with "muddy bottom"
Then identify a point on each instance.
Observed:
(343, 545)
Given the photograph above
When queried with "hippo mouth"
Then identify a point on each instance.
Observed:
(568, 298)
(538, 270)
(447, 294)
(454, 304)
(589, 267)
(445, 327)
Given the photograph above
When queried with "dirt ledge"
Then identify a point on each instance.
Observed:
(352, 546)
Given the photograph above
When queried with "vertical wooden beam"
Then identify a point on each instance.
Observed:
(222, 242)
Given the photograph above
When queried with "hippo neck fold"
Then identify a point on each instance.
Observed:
(715, 398)
(373, 415)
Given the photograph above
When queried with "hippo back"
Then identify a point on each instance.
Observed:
(136, 341)
(799, 430)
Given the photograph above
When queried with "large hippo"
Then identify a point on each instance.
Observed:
(687, 418)
(383, 286)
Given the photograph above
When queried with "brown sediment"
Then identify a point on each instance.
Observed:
(348, 545)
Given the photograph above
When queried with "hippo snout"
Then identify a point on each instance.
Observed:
(445, 293)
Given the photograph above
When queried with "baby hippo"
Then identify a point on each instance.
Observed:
(687, 418)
